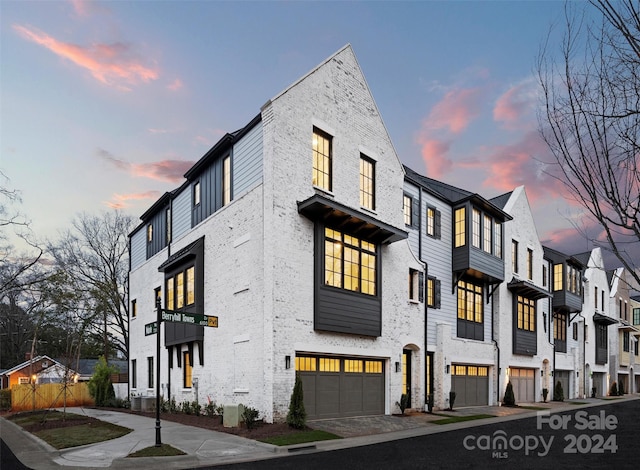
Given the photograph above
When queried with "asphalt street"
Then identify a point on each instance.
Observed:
(597, 437)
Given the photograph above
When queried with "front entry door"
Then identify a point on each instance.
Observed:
(406, 375)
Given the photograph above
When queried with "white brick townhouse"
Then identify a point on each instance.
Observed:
(291, 231)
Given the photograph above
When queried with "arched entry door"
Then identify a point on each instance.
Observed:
(406, 375)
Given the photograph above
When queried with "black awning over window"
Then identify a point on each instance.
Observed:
(191, 251)
(348, 220)
(527, 289)
(603, 319)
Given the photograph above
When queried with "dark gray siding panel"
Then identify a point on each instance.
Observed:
(180, 333)
(159, 241)
(247, 161)
(468, 257)
(525, 342)
(347, 312)
(566, 300)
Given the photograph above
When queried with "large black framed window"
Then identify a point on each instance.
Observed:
(470, 310)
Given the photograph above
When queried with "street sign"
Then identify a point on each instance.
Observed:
(150, 328)
(191, 318)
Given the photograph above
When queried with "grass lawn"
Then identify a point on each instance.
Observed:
(64, 430)
(457, 419)
(165, 450)
(300, 438)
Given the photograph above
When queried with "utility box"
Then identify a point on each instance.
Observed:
(148, 404)
(232, 416)
(136, 403)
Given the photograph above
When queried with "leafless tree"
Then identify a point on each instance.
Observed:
(94, 257)
(15, 265)
(590, 118)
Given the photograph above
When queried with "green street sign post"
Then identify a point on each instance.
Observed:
(153, 328)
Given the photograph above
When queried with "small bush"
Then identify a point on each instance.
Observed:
(613, 391)
(403, 403)
(558, 392)
(196, 408)
(173, 406)
(297, 415)
(5, 399)
(185, 407)
(210, 408)
(509, 397)
(452, 399)
(250, 417)
(100, 386)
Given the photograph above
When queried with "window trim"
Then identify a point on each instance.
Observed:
(355, 245)
(460, 227)
(328, 186)
(367, 199)
(526, 314)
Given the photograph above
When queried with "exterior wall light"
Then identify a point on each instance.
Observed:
(397, 366)
(287, 362)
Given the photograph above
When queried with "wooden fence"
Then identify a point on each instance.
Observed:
(29, 397)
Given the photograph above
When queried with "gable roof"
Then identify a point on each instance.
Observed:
(454, 195)
(27, 363)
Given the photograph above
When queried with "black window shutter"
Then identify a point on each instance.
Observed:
(437, 223)
(415, 213)
(421, 287)
(436, 294)
(179, 357)
(170, 351)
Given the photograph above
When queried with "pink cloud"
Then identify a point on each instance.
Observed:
(521, 163)
(171, 171)
(110, 64)
(175, 85)
(434, 156)
(455, 111)
(120, 201)
(515, 107)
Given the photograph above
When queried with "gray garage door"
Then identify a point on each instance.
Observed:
(471, 384)
(334, 387)
(523, 382)
(563, 377)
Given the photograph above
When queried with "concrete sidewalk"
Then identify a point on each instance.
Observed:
(204, 447)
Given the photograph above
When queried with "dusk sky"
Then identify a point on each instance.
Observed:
(107, 104)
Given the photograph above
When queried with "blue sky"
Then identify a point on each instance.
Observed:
(106, 104)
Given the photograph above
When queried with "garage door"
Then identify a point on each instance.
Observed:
(471, 384)
(335, 387)
(563, 377)
(523, 382)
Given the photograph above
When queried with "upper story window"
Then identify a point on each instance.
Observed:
(560, 328)
(196, 193)
(415, 287)
(514, 256)
(434, 223)
(636, 316)
(497, 239)
(626, 310)
(544, 275)
(530, 264)
(134, 308)
(149, 233)
(407, 209)
(475, 228)
(321, 160)
(595, 296)
(573, 280)
(226, 180)
(350, 263)
(526, 314)
(470, 311)
(460, 227)
(433, 292)
(557, 277)
(625, 341)
(602, 303)
(181, 289)
(167, 216)
(487, 228)
(367, 183)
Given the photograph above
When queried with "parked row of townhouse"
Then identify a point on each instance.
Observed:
(321, 255)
